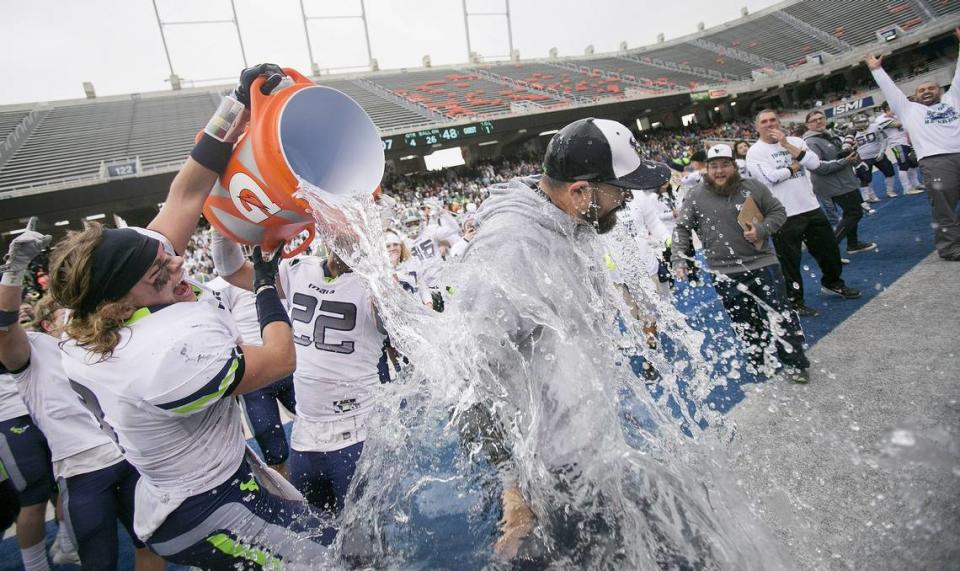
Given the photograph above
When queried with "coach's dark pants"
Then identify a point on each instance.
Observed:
(757, 306)
(941, 175)
(849, 204)
(810, 228)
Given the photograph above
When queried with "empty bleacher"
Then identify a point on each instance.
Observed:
(386, 114)
(648, 75)
(772, 38)
(71, 141)
(943, 7)
(697, 57)
(567, 82)
(163, 128)
(849, 22)
(9, 121)
(457, 94)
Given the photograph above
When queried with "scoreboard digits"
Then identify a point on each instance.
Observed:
(441, 135)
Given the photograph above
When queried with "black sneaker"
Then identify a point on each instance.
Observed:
(805, 311)
(841, 290)
(861, 247)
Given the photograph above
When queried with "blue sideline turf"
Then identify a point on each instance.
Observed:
(901, 229)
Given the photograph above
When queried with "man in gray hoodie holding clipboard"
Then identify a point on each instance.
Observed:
(734, 219)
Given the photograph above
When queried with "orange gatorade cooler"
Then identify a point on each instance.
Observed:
(303, 131)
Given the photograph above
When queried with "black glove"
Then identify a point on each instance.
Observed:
(265, 271)
(271, 71)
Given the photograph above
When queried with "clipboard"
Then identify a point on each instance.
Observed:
(749, 213)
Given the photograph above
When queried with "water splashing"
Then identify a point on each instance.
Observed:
(611, 476)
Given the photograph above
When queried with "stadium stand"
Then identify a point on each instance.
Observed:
(651, 73)
(849, 22)
(386, 114)
(698, 58)
(942, 7)
(564, 82)
(9, 121)
(67, 141)
(457, 93)
(773, 38)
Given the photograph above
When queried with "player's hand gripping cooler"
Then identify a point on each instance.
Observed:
(299, 132)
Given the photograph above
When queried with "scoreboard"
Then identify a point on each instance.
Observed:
(437, 136)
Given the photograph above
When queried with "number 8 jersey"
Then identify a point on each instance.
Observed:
(339, 341)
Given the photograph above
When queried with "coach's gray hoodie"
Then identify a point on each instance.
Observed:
(535, 299)
(835, 175)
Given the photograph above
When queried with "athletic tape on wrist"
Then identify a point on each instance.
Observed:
(211, 153)
(227, 256)
(269, 308)
(8, 318)
(12, 278)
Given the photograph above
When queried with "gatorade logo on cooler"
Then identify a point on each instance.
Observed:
(250, 200)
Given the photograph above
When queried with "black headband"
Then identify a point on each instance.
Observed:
(122, 257)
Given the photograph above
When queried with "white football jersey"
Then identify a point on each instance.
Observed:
(55, 408)
(871, 143)
(164, 397)
(242, 305)
(339, 340)
(11, 405)
(895, 135)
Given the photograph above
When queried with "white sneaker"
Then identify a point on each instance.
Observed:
(914, 190)
(61, 557)
(892, 194)
(867, 209)
(873, 198)
(844, 261)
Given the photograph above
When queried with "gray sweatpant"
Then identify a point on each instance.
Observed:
(941, 176)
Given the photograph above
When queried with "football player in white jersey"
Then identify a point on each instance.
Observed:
(161, 368)
(25, 457)
(872, 147)
(340, 342)
(96, 484)
(263, 409)
(899, 143)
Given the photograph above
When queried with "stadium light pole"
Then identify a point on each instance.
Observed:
(314, 68)
(506, 14)
(174, 80)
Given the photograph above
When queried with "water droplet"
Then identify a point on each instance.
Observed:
(903, 438)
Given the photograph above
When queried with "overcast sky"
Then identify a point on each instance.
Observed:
(48, 48)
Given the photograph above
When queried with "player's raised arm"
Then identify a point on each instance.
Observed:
(14, 346)
(277, 357)
(177, 219)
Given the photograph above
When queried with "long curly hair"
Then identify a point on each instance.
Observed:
(71, 266)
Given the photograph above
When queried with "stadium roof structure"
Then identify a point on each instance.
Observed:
(68, 144)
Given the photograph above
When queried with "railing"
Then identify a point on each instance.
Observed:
(27, 189)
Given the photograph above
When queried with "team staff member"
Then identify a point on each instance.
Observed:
(749, 278)
(96, 484)
(835, 181)
(781, 163)
(933, 122)
(160, 368)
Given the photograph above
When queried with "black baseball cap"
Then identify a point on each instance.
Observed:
(601, 150)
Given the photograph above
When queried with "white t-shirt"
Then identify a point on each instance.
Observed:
(339, 343)
(894, 135)
(934, 130)
(770, 164)
(56, 409)
(11, 405)
(242, 305)
(164, 394)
